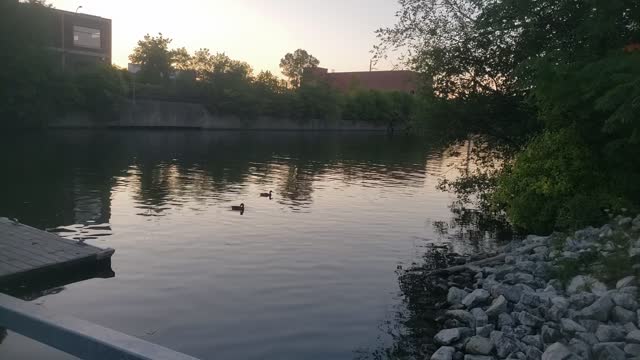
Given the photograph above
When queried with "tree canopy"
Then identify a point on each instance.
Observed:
(294, 64)
(154, 56)
(558, 81)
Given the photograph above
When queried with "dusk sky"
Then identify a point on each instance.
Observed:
(340, 33)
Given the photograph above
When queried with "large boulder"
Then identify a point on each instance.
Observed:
(587, 337)
(609, 351)
(609, 333)
(462, 316)
(555, 313)
(533, 354)
(533, 340)
(633, 337)
(443, 353)
(478, 357)
(526, 266)
(632, 350)
(528, 319)
(505, 319)
(504, 345)
(485, 331)
(561, 302)
(511, 293)
(625, 300)
(534, 300)
(498, 306)
(478, 345)
(550, 335)
(580, 283)
(455, 296)
(623, 316)
(569, 326)
(590, 325)
(522, 330)
(480, 316)
(449, 336)
(624, 282)
(581, 348)
(477, 297)
(599, 310)
(519, 278)
(558, 351)
(582, 300)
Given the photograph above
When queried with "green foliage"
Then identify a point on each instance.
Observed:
(101, 91)
(550, 70)
(294, 64)
(553, 182)
(380, 107)
(154, 57)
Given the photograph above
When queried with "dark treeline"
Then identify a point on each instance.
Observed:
(230, 87)
(35, 89)
(549, 93)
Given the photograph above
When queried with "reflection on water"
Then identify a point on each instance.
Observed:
(309, 273)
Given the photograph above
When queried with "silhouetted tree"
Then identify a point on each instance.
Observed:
(293, 65)
(154, 57)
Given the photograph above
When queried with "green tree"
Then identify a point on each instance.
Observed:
(202, 63)
(155, 58)
(181, 60)
(509, 69)
(294, 64)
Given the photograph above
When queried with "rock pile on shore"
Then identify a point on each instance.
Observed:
(514, 309)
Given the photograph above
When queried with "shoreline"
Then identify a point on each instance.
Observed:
(515, 306)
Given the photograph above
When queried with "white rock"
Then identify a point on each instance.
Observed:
(633, 337)
(609, 351)
(571, 326)
(449, 336)
(625, 300)
(557, 351)
(623, 316)
(624, 282)
(480, 316)
(478, 357)
(498, 306)
(586, 283)
(632, 350)
(477, 297)
(443, 353)
(478, 345)
(599, 310)
(609, 333)
(455, 295)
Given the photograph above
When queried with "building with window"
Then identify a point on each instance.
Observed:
(393, 80)
(79, 40)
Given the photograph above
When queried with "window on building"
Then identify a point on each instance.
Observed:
(86, 37)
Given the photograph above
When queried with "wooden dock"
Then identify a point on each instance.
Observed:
(26, 251)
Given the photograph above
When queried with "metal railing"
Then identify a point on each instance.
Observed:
(77, 337)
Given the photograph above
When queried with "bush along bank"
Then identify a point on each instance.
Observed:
(550, 297)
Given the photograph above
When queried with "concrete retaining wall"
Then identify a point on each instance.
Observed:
(163, 114)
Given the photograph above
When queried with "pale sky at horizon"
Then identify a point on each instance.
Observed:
(339, 33)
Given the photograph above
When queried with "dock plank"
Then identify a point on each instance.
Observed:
(24, 249)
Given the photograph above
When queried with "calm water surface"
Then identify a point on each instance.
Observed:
(309, 274)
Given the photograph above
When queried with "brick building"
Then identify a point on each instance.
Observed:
(394, 80)
(79, 40)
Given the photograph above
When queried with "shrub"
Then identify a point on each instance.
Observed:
(552, 183)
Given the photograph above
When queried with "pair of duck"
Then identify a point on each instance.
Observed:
(241, 206)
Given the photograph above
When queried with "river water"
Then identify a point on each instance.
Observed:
(309, 274)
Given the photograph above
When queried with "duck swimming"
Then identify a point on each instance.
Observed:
(266, 194)
(238, 208)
